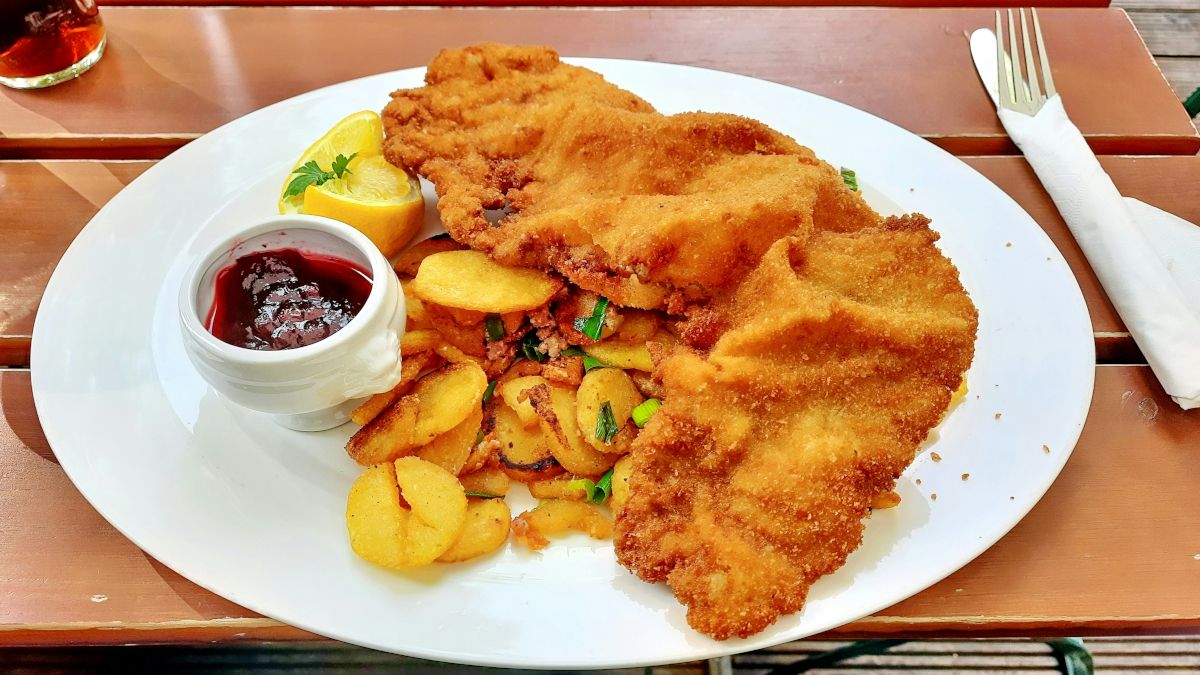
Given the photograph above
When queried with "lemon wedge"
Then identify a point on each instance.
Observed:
(376, 198)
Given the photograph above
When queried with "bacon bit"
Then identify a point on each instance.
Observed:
(565, 370)
(935, 457)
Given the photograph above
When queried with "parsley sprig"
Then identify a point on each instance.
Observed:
(310, 173)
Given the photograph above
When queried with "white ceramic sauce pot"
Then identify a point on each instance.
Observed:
(307, 388)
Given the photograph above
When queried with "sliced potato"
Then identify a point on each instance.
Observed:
(410, 368)
(468, 338)
(559, 423)
(409, 261)
(486, 529)
(387, 436)
(455, 355)
(620, 484)
(472, 280)
(558, 515)
(465, 317)
(414, 308)
(451, 449)
(447, 397)
(512, 392)
(637, 326)
(612, 386)
(416, 341)
(524, 453)
(557, 488)
(486, 481)
(387, 533)
(622, 355)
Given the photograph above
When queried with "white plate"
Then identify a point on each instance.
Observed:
(254, 512)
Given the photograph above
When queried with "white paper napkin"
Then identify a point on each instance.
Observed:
(1147, 259)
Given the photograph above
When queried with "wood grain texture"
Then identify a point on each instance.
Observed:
(606, 3)
(175, 72)
(1169, 32)
(55, 199)
(1112, 546)
(50, 204)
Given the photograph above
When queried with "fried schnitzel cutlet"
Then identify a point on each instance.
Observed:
(649, 210)
(822, 342)
(754, 478)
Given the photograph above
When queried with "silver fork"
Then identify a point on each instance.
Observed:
(1020, 91)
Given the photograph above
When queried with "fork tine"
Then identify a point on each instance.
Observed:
(1046, 76)
(1003, 72)
(1035, 92)
(1020, 93)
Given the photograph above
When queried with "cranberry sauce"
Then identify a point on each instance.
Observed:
(286, 298)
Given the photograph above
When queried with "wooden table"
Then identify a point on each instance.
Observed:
(1113, 548)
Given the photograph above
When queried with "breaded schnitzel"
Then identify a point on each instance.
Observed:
(649, 210)
(753, 479)
(822, 342)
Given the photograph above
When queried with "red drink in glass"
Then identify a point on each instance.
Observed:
(44, 42)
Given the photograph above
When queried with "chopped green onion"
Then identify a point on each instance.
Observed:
(644, 411)
(529, 347)
(494, 327)
(850, 179)
(606, 424)
(589, 361)
(481, 495)
(592, 325)
(597, 492)
(491, 389)
(478, 437)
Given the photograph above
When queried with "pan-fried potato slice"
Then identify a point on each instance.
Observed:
(558, 515)
(387, 436)
(557, 488)
(385, 532)
(447, 397)
(409, 261)
(620, 484)
(622, 354)
(559, 423)
(455, 355)
(410, 368)
(486, 530)
(414, 308)
(511, 392)
(467, 338)
(612, 386)
(416, 341)
(524, 454)
(451, 449)
(486, 481)
(472, 280)
(638, 326)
